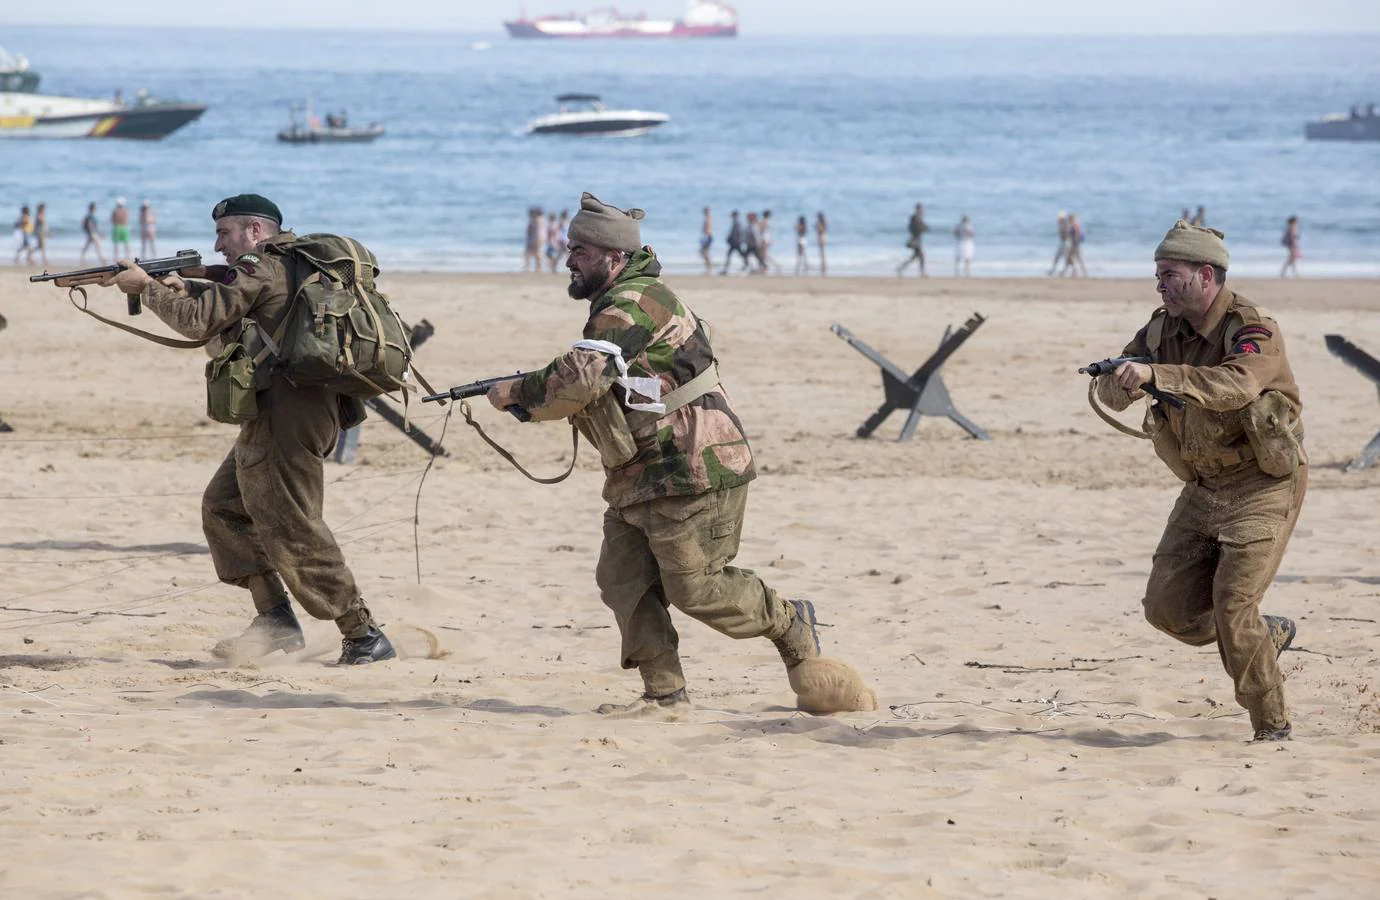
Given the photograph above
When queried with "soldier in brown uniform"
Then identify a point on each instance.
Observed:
(643, 387)
(262, 510)
(1237, 444)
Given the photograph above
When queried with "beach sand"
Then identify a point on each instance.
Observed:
(1035, 737)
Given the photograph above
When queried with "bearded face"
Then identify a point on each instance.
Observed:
(590, 271)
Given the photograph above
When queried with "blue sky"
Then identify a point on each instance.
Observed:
(969, 17)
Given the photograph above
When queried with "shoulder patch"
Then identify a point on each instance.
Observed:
(1245, 347)
(249, 257)
(230, 275)
(1258, 332)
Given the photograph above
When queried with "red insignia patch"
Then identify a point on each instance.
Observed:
(246, 266)
(229, 276)
(1246, 347)
(1253, 331)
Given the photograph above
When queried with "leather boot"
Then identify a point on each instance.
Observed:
(372, 646)
(276, 629)
(801, 640)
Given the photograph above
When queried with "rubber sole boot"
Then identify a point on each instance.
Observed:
(374, 646)
(801, 640)
(269, 632)
(1282, 632)
(1266, 735)
(645, 703)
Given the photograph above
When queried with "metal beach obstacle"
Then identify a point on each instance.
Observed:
(1368, 366)
(922, 392)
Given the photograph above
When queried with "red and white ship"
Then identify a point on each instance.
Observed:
(703, 18)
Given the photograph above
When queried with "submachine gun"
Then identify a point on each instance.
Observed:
(185, 259)
(476, 388)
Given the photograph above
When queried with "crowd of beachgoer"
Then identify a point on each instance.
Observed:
(32, 233)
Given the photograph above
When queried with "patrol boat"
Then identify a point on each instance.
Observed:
(585, 115)
(335, 130)
(25, 113)
(1356, 126)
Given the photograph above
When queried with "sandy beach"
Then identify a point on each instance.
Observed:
(1036, 738)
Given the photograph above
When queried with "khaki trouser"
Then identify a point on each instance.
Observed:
(675, 551)
(1220, 551)
(262, 510)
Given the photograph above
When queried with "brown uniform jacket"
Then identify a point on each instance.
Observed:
(255, 287)
(1217, 372)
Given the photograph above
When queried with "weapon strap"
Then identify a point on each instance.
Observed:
(1107, 417)
(497, 448)
(156, 338)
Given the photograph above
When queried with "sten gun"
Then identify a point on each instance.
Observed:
(185, 259)
(1108, 366)
(475, 388)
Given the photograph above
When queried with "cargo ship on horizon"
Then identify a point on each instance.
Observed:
(703, 18)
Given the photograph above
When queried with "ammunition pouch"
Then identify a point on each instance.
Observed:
(1166, 444)
(236, 374)
(1274, 434)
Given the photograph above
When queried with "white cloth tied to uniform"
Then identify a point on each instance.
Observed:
(631, 384)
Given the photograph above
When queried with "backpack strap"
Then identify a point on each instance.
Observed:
(1154, 332)
(148, 336)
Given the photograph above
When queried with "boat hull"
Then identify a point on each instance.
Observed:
(329, 135)
(1364, 128)
(146, 123)
(537, 28)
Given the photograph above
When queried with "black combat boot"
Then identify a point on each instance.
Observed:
(373, 646)
(270, 631)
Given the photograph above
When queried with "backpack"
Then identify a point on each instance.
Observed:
(340, 333)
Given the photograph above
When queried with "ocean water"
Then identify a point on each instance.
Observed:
(1125, 131)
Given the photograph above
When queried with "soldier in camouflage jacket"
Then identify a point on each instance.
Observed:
(676, 502)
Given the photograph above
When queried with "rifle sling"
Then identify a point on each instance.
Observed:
(156, 338)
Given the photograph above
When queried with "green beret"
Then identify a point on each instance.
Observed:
(248, 205)
(1194, 244)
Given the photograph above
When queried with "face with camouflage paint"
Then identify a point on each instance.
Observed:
(592, 269)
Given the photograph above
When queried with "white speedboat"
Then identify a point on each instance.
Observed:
(585, 115)
(25, 113)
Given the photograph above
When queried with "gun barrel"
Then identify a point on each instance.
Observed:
(473, 389)
(1108, 366)
(76, 273)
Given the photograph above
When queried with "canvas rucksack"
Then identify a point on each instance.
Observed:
(340, 333)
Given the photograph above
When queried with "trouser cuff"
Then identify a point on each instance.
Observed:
(268, 591)
(356, 622)
(662, 675)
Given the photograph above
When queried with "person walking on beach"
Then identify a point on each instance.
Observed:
(92, 229)
(262, 511)
(802, 259)
(1073, 260)
(822, 239)
(752, 234)
(559, 239)
(916, 228)
(148, 230)
(533, 241)
(1062, 251)
(551, 233)
(24, 236)
(643, 386)
(737, 242)
(1291, 244)
(41, 233)
(1237, 444)
(766, 240)
(963, 247)
(119, 229)
(707, 241)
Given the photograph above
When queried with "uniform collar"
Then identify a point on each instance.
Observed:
(1216, 313)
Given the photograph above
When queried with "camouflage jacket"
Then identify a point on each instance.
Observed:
(1217, 372)
(700, 447)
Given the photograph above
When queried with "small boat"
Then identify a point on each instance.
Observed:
(1356, 126)
(25, 113)
(585, 115)
(334, 130)
(703, 18)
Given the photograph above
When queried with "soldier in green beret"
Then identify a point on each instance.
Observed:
(262, 511)
(1237, 445)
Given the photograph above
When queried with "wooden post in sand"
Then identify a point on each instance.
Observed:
(923, 392)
